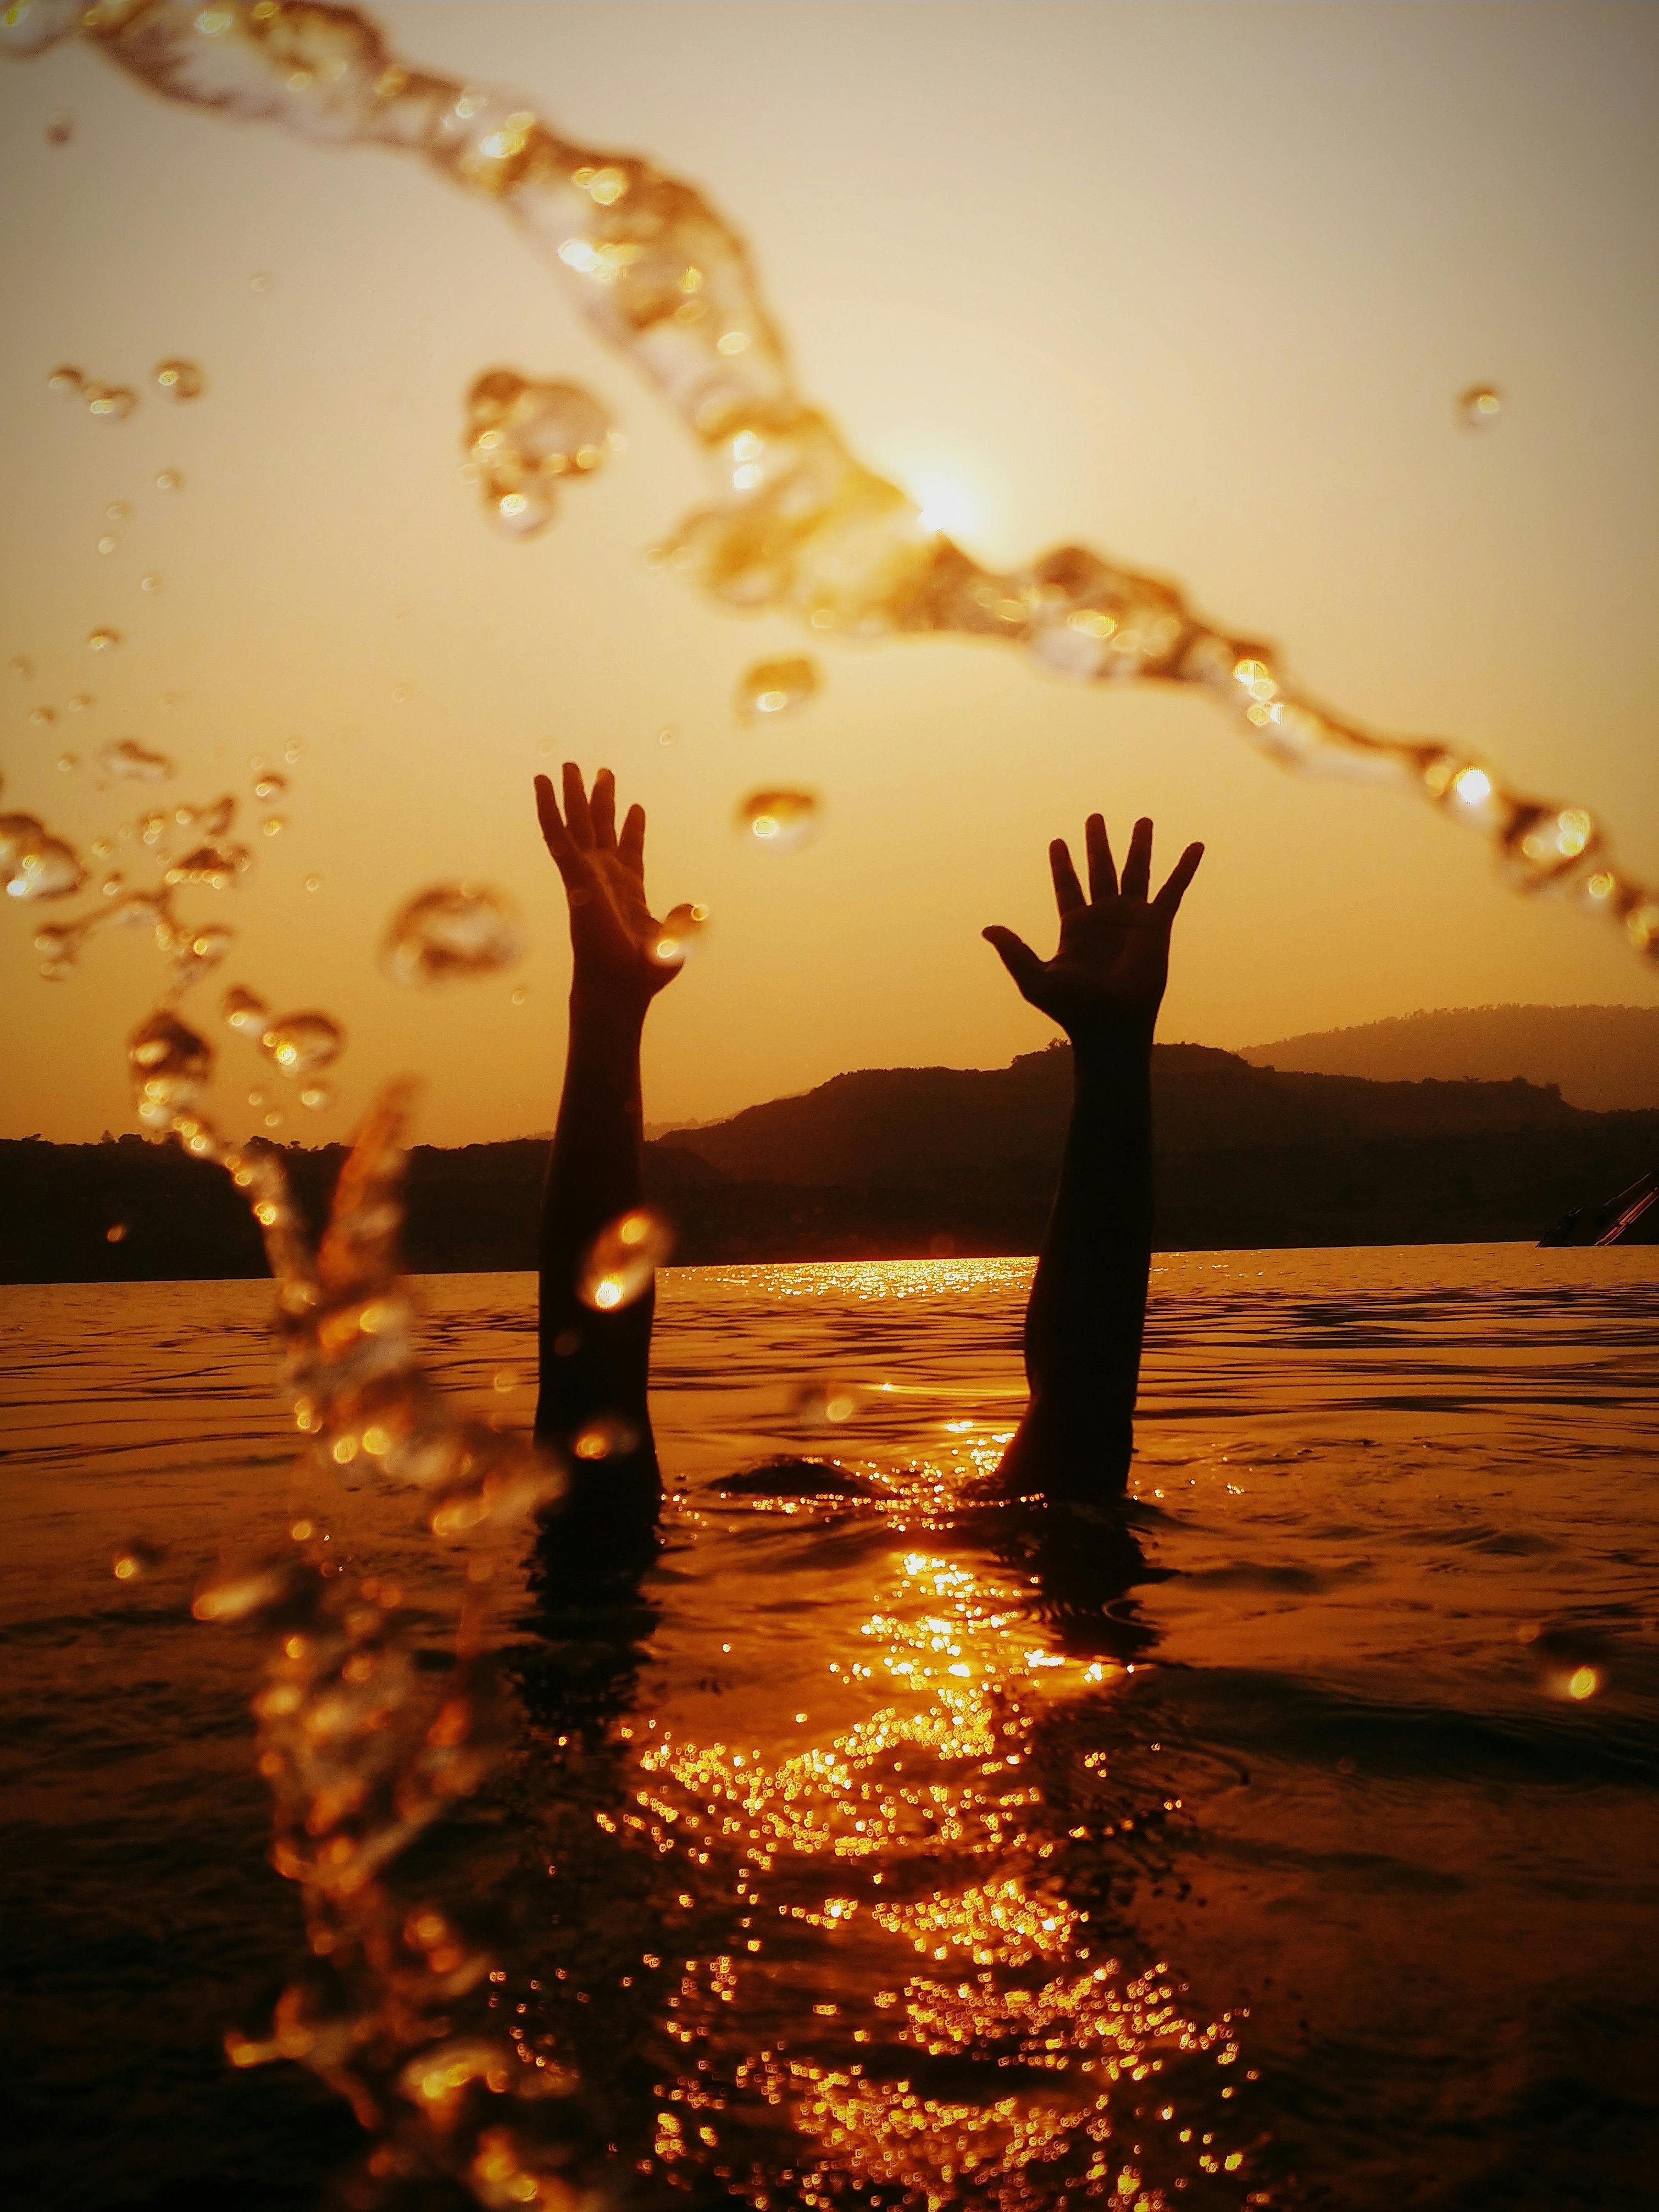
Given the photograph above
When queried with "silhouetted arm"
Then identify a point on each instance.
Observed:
(594, 1364)
(1088, 1306)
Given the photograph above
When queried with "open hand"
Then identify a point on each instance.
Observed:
(1114, 958)
(623, 956)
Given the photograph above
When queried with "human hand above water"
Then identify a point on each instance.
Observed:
(624, 955)
(1108, 976)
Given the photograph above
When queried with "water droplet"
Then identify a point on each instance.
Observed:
(132, 762)
(316, 1096)
(116, 1233)
(1479, 406)
(302, 1044)
(171, 1067)
(246, 1013)
(522, 439)
(34, 864)
(545, 748)
(60, 127)
(455, 929)
(117, 510)
(43, 717)
(313, 883)
(399, 694)
(621, 1262)
(79, 703)
(666, 735)
(180, 379)
(100, 640)
(260, 281)
(256, 1097)
(215, 866)
(65, 382)
(112, 886)
(269, 785)
(169, 480)
(519, 995)
(273, 1121)
(67, 761)
(291, 751)
(774, 687)
(677, 937)
(106, 543)
(783, 821)
(110, 403)
(822, 1401)
(151, 583)
(607, 1435)
(273, 825)
(137, 1557)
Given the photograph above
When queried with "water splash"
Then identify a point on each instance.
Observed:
(35, 864)
(132, 762)
(800, 524)
(302, 1045)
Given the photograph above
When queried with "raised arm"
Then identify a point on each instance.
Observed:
(1088, 1304)
(594, 1364)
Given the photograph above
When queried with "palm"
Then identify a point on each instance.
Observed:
(1113, 956)
(621, 949)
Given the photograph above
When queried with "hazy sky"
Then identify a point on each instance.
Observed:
(1195, 284)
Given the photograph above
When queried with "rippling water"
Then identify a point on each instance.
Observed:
(1298, 1845)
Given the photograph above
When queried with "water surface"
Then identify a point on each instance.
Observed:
(901, 1854)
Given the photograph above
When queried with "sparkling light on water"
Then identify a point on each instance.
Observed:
(523, 439)
(302, 1044)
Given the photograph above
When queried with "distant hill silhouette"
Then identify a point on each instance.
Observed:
(1603, 1057)
(903, 1162)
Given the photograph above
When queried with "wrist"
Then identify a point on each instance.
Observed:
(1122, 1044)
(604, 1011)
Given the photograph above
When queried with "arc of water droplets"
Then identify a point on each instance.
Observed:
(800, 523)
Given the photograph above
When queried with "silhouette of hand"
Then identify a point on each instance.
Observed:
(623, 956)
(1114, 958)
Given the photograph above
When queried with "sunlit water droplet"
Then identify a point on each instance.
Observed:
(151, 583)
(67, 763)
(138, 1558)
(101, 639)
(1479, 406)
(523, 439)
(607, 1435)
(169, 480)
(66, 382)
(21, 666)
(60, 127)
(132, 763)
(313, 883)
(106, 545)
(248, 1013)
(33, 864)
(302, 1044)
(316, 1096)
(782, 821)
(43, 717)
(116, 1233)
(677, 936)
(519, 995)
(273, 825)
(171, 1067)
(79, 703)
(213, 864)
(109, 403)
(269, 785)
(771, 688)
(118, 510)
(453, 931)
(823, 1400)
(179, 379)
(621, 1262)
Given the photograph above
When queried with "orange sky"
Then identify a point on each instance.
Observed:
(1197, 285)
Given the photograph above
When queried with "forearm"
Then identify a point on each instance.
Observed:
(591, 1363)
(1087, 1312)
